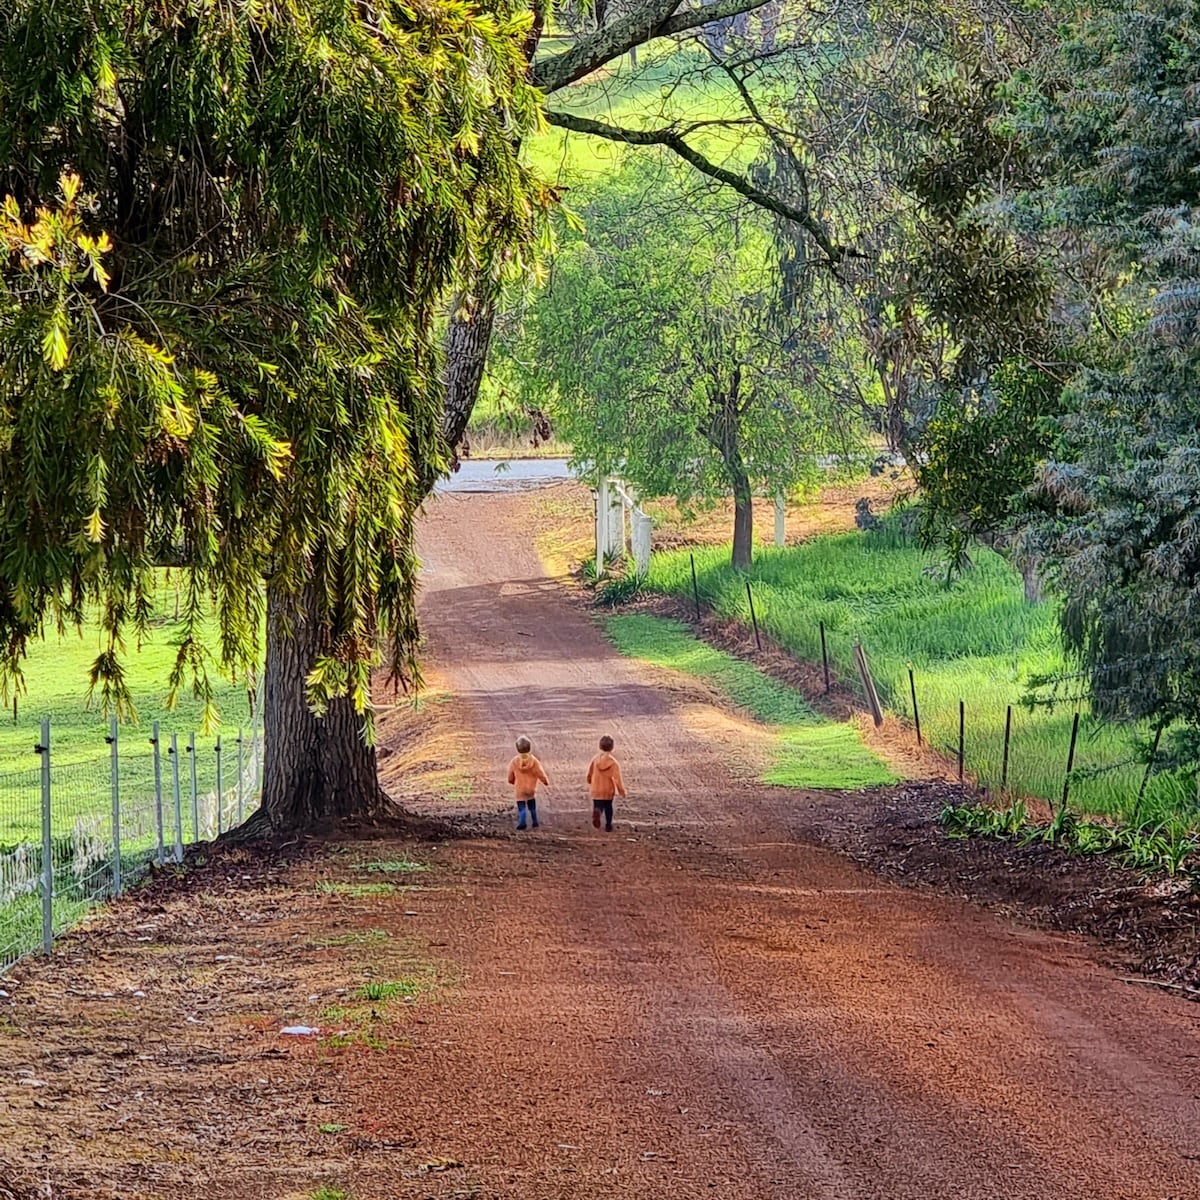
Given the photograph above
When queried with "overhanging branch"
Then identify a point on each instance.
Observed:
(674, 142)
(653, 20)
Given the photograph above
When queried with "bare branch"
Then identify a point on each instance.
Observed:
(653, 20)
(674, 142)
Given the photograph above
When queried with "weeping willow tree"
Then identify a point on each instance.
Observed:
(227, 234)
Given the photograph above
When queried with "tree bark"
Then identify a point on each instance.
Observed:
(743, 519)
(467, 342)
(315, 769)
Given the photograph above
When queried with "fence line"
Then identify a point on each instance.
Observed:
(75, 833)
(1002, 750)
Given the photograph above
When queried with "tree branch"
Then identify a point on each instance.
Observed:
(674, 142)
(654, 20)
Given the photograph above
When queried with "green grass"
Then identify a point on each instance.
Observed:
(359, 937)
(396, 866)
(56, 674)
(56, 678)
(975, 639)
(378, 989)
(812, 752)
(356, 891)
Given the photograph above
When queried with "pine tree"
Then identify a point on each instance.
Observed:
(1126, 539)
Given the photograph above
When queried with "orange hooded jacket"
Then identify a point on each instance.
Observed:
(604, 774)
(524, 772)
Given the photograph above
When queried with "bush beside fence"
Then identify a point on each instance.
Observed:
(77, 833)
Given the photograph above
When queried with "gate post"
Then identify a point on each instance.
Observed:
(616, 523)
(642, 526)
(602, 548)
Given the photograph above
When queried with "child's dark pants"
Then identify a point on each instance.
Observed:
(602, 807)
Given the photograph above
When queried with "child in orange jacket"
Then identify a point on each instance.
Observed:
(524, 773)
(604, 776)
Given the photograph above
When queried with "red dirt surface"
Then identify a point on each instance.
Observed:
(700, 1003)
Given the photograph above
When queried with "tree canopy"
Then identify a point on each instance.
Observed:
(1116, 115)
(227, 233)
(668, 353)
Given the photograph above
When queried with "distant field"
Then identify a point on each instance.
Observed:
(665, 86)
(976, 640)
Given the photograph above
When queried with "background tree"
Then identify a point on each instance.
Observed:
(666, 353)
(941, 321)
(1116, 118)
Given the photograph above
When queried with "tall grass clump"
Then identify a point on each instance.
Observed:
(973, 637)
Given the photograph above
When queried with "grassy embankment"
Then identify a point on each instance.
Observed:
(975, 639)
(56, 674)
(810, 751)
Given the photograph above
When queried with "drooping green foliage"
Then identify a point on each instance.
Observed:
(667, 359)
(978, 455)
(228, 231)
(940, 330)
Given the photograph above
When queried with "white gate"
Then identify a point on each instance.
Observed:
(618, 533)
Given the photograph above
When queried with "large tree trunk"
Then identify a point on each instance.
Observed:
(314, 768)
(467, 342)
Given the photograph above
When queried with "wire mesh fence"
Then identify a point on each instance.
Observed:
(76, 832)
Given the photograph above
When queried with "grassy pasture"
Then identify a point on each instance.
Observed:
(811, 751)
(974, 638)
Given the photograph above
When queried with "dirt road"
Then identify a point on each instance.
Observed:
(697, 1004)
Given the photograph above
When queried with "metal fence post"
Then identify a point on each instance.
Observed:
(158, 809)
(195, 794)
(753, 617)
(912, 687)
(43, 749)
(961, 739)
(174, 753)
(115, 770)
(1007, 740)
(1070, 763)
(239, 781)
(824, 657)
(220, 830)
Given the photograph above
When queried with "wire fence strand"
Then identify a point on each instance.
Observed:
(104, 820)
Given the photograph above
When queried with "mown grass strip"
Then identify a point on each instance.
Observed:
(812, 751)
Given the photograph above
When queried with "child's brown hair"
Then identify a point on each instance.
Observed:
(606, 743)
(524, 745)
